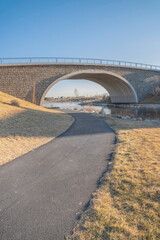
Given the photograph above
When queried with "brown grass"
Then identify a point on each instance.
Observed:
(127, 205)
(151, 99)
(91, 109)
(26, 127)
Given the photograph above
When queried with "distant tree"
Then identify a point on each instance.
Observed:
(76, 93)
(156, 92)
(106, 99)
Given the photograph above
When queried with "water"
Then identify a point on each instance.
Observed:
(136, 112)
(75, 106)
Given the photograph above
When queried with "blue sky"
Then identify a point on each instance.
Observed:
(84, 88)
(112, 29)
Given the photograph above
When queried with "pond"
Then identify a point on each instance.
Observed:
(139, 111)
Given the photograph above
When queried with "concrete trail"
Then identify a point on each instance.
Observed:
(42, 192)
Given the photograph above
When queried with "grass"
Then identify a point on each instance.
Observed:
(91, 109)
(27, 126)
(127, 204)
(151, 99)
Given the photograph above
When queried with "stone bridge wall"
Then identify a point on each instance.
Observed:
(17, 79)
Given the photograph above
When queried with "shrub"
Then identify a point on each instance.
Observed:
(106, 99)
(15, 103)
(156, 92)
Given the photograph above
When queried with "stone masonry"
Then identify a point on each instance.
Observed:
(17, 79)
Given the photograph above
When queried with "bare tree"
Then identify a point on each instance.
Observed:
(76, 92)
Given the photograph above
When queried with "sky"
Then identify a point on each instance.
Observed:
(84, 88)
(112, 29)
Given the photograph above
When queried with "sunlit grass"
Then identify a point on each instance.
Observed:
(26, 127)
(127, 205)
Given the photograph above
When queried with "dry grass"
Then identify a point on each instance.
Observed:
(127, 205)
(92, 109)
(151, 99)
(26, 127)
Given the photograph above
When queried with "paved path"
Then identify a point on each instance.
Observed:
(42, 192)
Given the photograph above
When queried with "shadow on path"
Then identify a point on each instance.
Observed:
(43, 192)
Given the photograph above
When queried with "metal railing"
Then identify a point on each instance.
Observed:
(77, 60)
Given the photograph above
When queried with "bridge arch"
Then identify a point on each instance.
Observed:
(120, 90)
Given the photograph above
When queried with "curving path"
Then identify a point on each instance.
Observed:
(42, 192)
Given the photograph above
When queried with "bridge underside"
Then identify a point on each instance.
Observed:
(120, 90)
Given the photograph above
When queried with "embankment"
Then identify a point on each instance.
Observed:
(27, 126)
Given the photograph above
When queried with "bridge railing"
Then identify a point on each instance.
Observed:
(77, 60)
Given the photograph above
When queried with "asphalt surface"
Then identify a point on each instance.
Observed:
(43, 192)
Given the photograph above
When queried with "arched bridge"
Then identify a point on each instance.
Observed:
(126, 82)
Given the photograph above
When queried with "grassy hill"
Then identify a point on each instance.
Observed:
(26, 126)
(151, 99)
